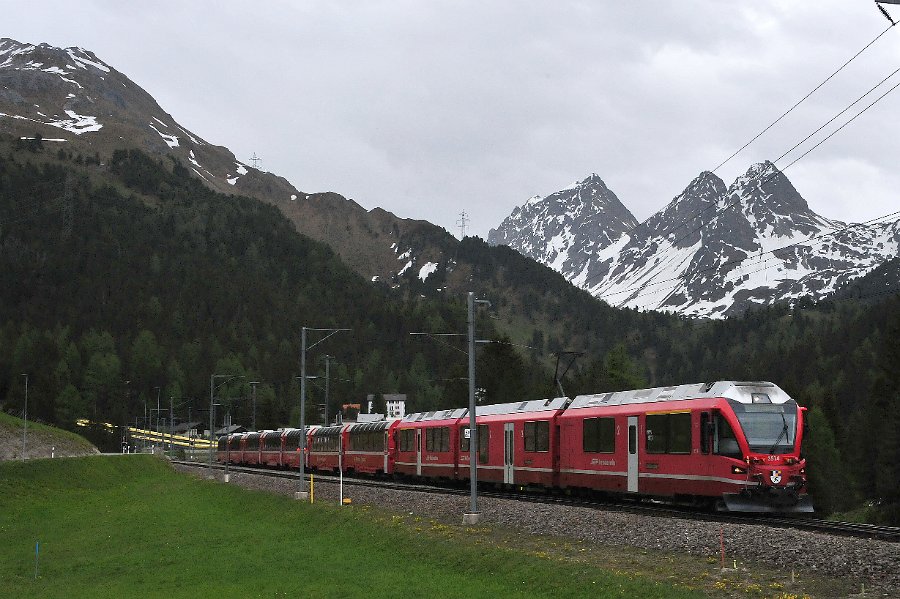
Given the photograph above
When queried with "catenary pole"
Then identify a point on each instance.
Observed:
(25, 418)
(301, 494)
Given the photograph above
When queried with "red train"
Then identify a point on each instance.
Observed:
(735, 445)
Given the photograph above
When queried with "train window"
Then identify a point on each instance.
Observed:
(679, 433)
(669, 433)
(657, 429)
(725, 442)
(406, 440)
(483, 445)
(598, 435)
(705, 432)
(543, 436)
(537, 436)
(437, 439)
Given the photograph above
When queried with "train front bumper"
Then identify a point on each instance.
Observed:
(763, 499)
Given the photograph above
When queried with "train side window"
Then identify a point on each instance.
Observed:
(705, 432)
(679, 433)
(669, 433)
(529, 434)
(483, 445)
(657, 430)
(406, 440)
(543, 436)
(463, 439)
(537, 436)
(632, 439)
(598, 435)
(444, 445)
(725, 440)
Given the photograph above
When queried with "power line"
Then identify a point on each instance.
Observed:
(771, 175)
(726, 206)
(803, 99)
(836, 116)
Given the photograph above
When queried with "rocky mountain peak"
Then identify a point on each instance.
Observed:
(583, 217)
(769, 201)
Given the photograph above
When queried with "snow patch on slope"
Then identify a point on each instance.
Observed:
(171, 140)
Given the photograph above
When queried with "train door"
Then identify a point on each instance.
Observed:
(418, 452)
(508, 444)
(632, 454)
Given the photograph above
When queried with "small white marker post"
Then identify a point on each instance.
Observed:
(37, 546)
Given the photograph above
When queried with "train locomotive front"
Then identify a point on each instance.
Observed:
(769, 434)
(733, 444)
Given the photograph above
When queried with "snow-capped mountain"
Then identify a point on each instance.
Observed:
(716, 250)
(78, 103)
(564, 228)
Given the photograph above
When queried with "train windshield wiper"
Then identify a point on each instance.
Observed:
(784, 432)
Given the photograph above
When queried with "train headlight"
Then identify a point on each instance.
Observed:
(738, 470)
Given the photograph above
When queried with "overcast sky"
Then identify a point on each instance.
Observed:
(429, 108)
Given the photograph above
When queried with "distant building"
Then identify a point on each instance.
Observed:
(394, 404)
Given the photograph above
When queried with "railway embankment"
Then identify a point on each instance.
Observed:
(41, 441)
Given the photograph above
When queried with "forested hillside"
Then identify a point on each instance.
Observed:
(122, 279)
(148, 279)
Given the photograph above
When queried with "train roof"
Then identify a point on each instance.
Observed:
(367, 427)
(747, 392)
(437, 415)
(523, 407)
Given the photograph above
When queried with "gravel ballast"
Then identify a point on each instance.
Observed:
(874, 562)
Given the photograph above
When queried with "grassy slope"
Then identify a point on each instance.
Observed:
(129, 526)
(39, 440)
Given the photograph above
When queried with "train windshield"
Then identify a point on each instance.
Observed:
(769, 428)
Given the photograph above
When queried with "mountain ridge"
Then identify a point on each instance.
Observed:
(83, 104)
(711, 250)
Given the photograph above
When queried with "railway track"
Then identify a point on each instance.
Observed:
(851, 529)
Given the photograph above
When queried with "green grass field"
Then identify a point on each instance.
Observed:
(131, 527)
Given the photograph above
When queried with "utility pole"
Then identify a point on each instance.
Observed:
(171, 425)
(253, 385)
(25, 418)
(473, 516)
(212, 391)
(303, 493)
(158, 391)
(327, 379)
